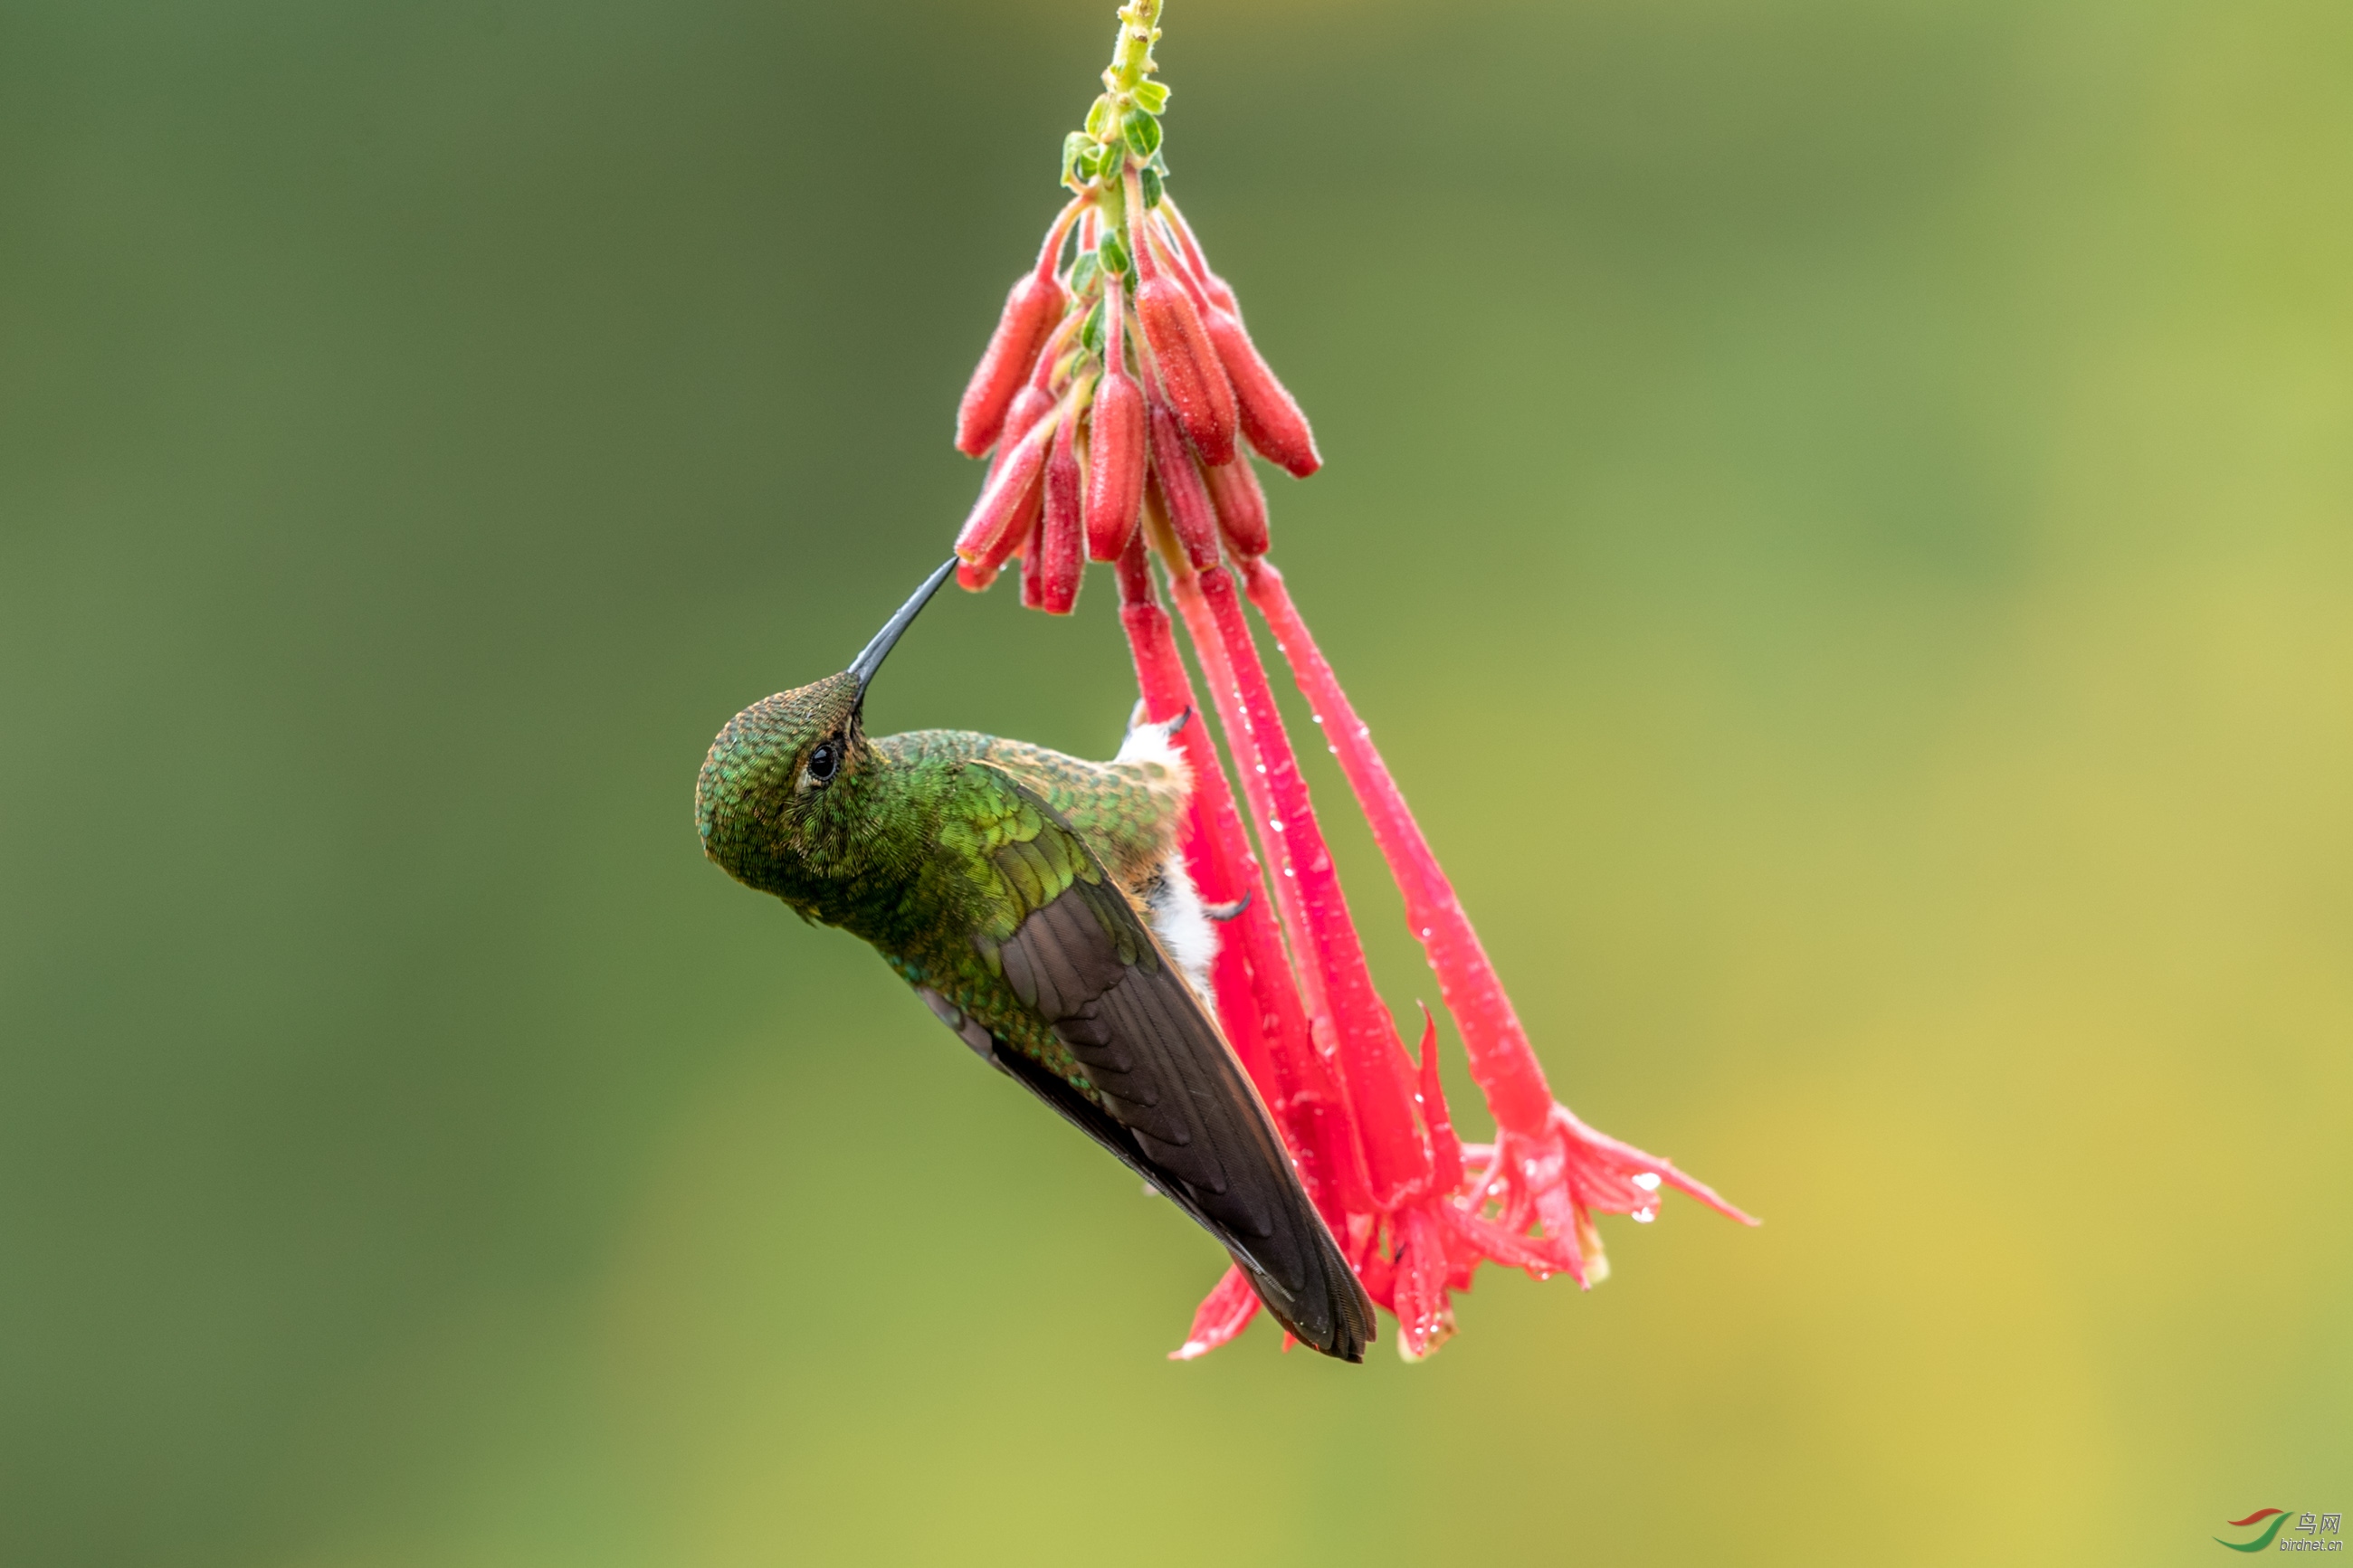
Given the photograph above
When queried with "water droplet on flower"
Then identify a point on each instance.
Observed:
(1645, 1215)
(1646, 1180)
(1427, 930)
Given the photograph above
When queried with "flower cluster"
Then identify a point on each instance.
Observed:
(1118, 400)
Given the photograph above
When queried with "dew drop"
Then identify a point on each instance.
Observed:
(1647, 1181)
(1645, 1215)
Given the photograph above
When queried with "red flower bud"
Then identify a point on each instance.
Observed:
(1030, 311)
(1242, 507)
(1116, 464)
(1176, 480)
(1195, 383)
(1007, 499)
(1061, 556)
(1270, 415)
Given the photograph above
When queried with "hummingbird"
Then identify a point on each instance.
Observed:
(1039, 907)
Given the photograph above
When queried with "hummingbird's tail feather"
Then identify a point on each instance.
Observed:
(1310, 1291)
(1168, 1097)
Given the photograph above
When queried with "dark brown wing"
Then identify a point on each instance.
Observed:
(1176, 1105)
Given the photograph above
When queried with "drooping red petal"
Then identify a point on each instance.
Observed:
(1424, 1269)
(1430, 1099)
(1224, 1313)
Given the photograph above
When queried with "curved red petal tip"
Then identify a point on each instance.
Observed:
(1195, 382)
(1624, 1159)
(1031, 310)
(1445, 1148)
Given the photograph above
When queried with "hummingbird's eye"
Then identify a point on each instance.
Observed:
(823, 761)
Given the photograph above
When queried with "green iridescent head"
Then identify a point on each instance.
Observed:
(776, 800)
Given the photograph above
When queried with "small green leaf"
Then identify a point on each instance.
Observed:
(1074, 144)
(1142, 133)
(1086, 273)
(1114, 253)
(1151, 189)
(1098, 116)
(1152, 97)
(1091, 330)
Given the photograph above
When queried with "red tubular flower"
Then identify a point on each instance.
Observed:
(1029, 404)
(1271, 418)
(1007, 502)
(1416, 1211)
(1242, 507)
(1195, 383)
(1062, 559)
(1032, 308)
(1183, 494)
(1115, 449)
(1548, 1165)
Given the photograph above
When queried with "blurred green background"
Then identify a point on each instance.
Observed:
(1838, 511)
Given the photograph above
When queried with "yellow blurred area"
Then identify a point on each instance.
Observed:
(1837, 511)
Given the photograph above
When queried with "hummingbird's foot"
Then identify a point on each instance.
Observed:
(1231, 909)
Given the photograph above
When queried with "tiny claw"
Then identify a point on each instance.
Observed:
(1231, 909)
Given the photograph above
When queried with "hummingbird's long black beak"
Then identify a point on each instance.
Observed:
(866, 663)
